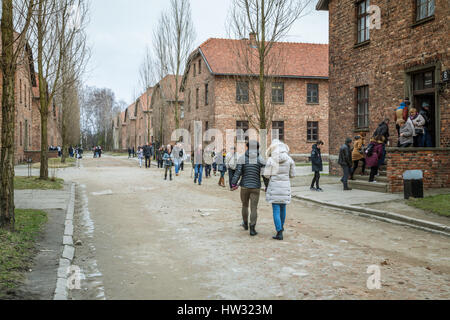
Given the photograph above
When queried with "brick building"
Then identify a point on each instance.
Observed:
(163, 114)
(219, 90)
(372, 69)
(27, 116)
(133, 127)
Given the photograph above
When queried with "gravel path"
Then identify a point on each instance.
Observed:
(145, 238)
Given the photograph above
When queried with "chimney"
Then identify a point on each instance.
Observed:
(252, 37)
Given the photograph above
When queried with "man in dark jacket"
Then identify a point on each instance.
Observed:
(317, 166)
(248, 171)
(148, 156)
(345, 161)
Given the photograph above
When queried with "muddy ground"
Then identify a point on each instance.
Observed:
(146, 238)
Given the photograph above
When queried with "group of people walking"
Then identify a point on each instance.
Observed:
(144, 153)
(97, 151)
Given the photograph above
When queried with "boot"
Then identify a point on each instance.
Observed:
(222, 182)
(346, 188)
(279, 236)
(253, 231)
(245, 226)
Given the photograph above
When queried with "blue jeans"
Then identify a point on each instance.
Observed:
(177, 166)
(279, 216)
(199, 173)
(208, 170)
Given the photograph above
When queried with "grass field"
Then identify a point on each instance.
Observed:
(24, 183)
(437, 204)
(56, 163)
(17, 248)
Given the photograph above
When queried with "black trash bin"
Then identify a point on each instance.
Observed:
(413, 184)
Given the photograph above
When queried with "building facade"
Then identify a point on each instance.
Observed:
(27, 138)
(221, 90)
(163, 110)
(380, 53)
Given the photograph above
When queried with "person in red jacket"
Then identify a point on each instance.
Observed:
(374, 153)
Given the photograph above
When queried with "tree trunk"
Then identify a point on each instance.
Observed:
(7, 219)
(44, 140)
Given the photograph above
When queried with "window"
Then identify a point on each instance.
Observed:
(206, 94)
(189, 100)
(242, 128)
(424, 80)
(242, 92)
(363, 21)
(196, 97)
(200, 66)
(362, 107)
(20, 89)
(313, 131)
(278, 92)
(195, 70)
(207, 126)
(278, 125)
(20, 135)
(424, 9)
(182, 112)
(313, 93)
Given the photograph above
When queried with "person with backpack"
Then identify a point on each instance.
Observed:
(345, 161)
(317, 165)
(280, 168)
(248, 177)
(168, 161)
(147, 154)
(374, 153)
(231, 163)
(357, 156)
(383, 130)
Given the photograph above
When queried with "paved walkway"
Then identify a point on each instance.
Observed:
(334, 194)
(42, 199)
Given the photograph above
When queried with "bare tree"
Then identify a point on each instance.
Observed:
(147, 77)
(173, 40)
(54, 34)
(73, 65)
(15, 16)
(267, 22)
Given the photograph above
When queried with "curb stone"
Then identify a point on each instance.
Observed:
(61, 292)
(387, 217)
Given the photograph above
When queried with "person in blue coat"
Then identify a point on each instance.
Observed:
(317, 165)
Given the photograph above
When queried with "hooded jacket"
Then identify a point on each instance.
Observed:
(248, 170)
(401, 112)
(280, 168)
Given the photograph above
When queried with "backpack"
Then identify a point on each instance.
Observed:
(369, 150)
(181, 154)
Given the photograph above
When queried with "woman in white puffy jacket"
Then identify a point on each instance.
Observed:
(280, 168)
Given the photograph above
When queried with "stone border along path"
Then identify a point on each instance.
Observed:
(385, 216)
(65, 262)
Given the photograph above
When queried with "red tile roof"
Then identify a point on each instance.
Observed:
(225, 56)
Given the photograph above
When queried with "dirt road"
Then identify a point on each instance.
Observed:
(145, 238)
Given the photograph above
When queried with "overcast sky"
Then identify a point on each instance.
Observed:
(120, 30)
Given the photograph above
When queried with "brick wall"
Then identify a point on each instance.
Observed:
(222, 111)
(35, 156)
(434, 163)
(383, 64)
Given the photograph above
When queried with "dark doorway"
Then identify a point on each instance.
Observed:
(424, 91)
(419, 100)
